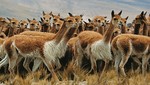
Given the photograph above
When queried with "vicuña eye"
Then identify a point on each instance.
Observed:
(69, 20)
(115, 19)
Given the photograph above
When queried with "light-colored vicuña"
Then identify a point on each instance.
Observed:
(96, 46)
(46, 49)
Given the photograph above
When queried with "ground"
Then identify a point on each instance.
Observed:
(81, 78)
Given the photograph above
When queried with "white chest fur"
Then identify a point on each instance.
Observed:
(53, 51)
(101, 50)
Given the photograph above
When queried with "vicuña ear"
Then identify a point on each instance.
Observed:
(52, 15)
(43, 13)
(70, 14)
(62, 19)
(112, 14)
(40, 22)
(85, 22)
(145, 13)
(105, 17)
(127, 17)
(120, 12)
(49, 13)
(28, 20)
(142, 13)
(9, 19)
(89, 20)
(41, 19)
(81, 15)
(107, 21)
(58, 14)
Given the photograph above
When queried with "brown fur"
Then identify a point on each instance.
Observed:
(72, 42)
(34, 25)
(1, 41)
(90, 26)
(22, 26)
(148, 18)
(34, 33)
(79, 20)
(126, 44)
(56, 18)
(13, 26)
(88, 37)
(89, 40)
(47, 17)
(123, 25)
(56, 26)
(100, 22)
(50, 36)
(3, 24)
(26, 44)
(29, 43)
(3, 27)
(2, 35)
(46, 20)
(139, 24)
(68, 23)
(116, 32)
(5, 30)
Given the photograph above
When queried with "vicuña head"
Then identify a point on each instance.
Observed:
(116, 18)
(78, 18)
(100, 20)
(139, 18)
(3, 22)
(33, 24)
(55, 18)
(47, 17)
(14, 23)
(138, 22)
(90, 25)
(23, 24)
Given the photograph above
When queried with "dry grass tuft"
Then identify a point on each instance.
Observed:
(80, 78)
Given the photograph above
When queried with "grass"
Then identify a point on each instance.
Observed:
(81, 78)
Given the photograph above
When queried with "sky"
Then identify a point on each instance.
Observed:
(23, 9)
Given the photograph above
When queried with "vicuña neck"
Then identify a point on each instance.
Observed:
(21, 29)
(69, 33)
(101, 30)
(108, 34)
(145, 30)
(32, 29)
(81, 27)
(53, 29)
(137, 28)
(60, 33)
(11, 31)
(45, 28)
(123, 29)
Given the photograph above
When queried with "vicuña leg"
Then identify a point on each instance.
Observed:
(117, 62)
(36, 64)
(50, 68)
(144, 64)
(138, 62)
(26, 64)
(122, 64)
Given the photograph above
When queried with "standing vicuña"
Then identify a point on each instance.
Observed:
(47, 50)
(96, 46)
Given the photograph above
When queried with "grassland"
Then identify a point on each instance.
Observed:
(81, 77)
